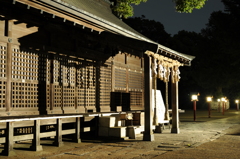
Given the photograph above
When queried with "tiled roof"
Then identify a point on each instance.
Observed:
(102, 12)
(98, 14)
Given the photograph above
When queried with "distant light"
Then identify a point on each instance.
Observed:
(194, 97)
(218, 100)
(226, 100)
(236, 101)
(223, 99)
(209, 99)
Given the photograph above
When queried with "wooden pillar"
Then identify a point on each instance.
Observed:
(148, 113)
(77, 137)
(8, 33)
(175, 115)
(51, 87)
(36, 137)
(8, 147)
(58, 138)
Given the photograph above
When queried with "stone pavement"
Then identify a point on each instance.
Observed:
(215, 137)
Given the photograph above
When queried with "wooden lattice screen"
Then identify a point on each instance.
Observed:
(57, 83)
(128, 78)
(74, 85)
(24, 81)
(105, 85)
(120, 78)
(62, 84)
(3, 63)
(86, 87)
(136, 88)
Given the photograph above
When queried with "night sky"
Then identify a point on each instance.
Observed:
(164, 12)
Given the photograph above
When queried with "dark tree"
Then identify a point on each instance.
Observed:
(150, 28)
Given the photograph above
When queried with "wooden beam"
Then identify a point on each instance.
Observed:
(8, 33)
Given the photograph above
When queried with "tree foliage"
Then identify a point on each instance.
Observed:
(124, 9)
(187, 6)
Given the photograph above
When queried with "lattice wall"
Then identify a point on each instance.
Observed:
(2, 94)
(24, 85)
(67, 84)
(128, 78)
(24, 95)
(105, 85)
(120, 78)
(86, 86)
(74, 84)
(136, 100)
(24, 65)
(3, 58)
(3, 63)
(135, 80)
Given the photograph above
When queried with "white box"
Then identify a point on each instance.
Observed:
(117, 132)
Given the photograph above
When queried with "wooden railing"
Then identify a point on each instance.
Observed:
(9, 138)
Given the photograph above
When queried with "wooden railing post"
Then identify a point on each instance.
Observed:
(77, 137)
(36, 136)
(8, 147)
(58, 138)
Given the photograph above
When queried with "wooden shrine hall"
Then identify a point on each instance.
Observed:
(72, 67)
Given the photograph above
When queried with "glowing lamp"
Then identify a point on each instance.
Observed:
(209, 99)
(223, 99)
(194, 98)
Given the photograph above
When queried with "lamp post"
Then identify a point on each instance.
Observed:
(219, 100)
(209, 100)
(194, 99)
(225, 106)
(223, 101)
(237, 104)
